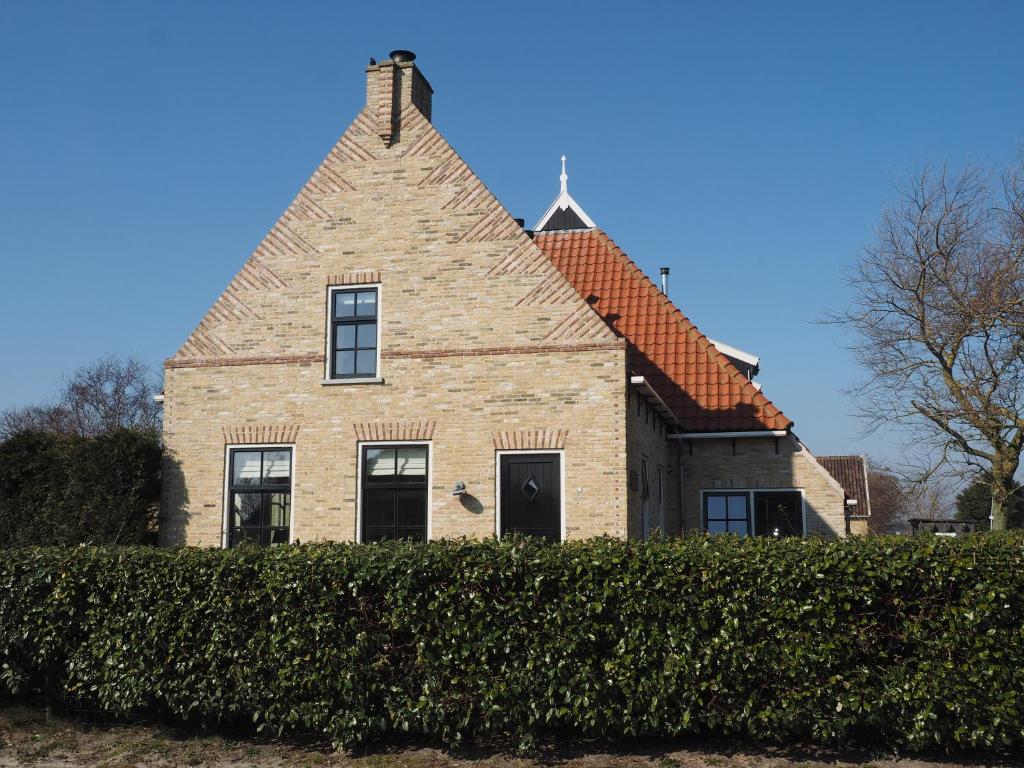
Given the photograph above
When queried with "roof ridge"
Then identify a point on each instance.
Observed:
(713, 352)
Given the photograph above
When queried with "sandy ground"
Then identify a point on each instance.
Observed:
(28, 738)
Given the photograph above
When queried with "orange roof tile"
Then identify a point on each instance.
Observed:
(698, 383)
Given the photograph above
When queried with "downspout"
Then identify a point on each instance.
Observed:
(682, 487)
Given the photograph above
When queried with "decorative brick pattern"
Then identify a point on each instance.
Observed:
(394, 430)
(530, 439)
(432, 354)
(354, 278)
(523, 258)
(251, 434)
(460, 361)
(228, 362)
(581, 323)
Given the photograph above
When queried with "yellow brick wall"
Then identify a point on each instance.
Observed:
(761, 463)
(646, 437)
(484, 343)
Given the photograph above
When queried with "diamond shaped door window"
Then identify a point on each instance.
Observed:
(530, 488)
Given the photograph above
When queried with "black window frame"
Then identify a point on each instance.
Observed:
(356, 320)
(396, 485)
(266, 491)
(745, 495)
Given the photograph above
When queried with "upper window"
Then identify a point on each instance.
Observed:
(259, 495)
(354, 329)
(394, 492)
(727, 513)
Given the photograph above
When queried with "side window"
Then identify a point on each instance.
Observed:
(259, 496)
(727, 513)
(354, 333)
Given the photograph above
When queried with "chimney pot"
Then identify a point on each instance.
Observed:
(664, 280)
(401, 56)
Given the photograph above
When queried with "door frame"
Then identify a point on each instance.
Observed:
(363, 444)
(561, 482)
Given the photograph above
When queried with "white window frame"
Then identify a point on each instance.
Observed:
(329, 346)
(360, 445)
(225, 526)
(497, 485)
(750, 504)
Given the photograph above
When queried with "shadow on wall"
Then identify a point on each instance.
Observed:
(471, 503)
(174, 502)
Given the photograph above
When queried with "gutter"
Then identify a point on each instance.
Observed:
(733, 435)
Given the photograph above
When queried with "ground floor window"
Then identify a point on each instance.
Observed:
(394, 492)
(259, 496)
(761, 513)
(727, 513)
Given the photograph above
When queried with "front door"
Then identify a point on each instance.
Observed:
(531, 494)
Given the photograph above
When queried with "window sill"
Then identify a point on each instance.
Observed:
(335, 382)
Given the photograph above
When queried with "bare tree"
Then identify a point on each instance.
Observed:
(112, 392)
(938, 312)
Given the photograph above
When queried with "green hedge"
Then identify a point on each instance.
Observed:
(61, 489)
(903, 642)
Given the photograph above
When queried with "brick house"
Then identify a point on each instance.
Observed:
(400, 357)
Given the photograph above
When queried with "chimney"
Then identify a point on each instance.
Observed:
(391, 86)
(664, 280)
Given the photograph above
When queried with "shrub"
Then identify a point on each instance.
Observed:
(59, 489)
(902, 642)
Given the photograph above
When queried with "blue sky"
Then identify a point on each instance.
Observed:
(145, 148)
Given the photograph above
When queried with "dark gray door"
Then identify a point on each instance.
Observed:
(531, 495)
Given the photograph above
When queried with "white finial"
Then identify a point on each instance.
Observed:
(564, 178)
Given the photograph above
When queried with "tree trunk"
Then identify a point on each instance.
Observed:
(1002, 497)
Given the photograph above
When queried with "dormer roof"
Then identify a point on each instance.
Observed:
(565, 214)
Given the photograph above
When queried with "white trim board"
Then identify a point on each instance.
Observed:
(497, 484)
(360, 445)
(226, 510)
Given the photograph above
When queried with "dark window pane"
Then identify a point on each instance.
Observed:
(346, 337)
(366, 304)
(279, 536)
(738, 507)
(378, 507)
(246, 509)
(344, 304)
(411, 507)
(251, 535)
(344, 363)
(738, 527)
(366, 336)
(716, 526)
(415, 534)
(366, 361)
(246, 467)
(715, 506)
(380, 533)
